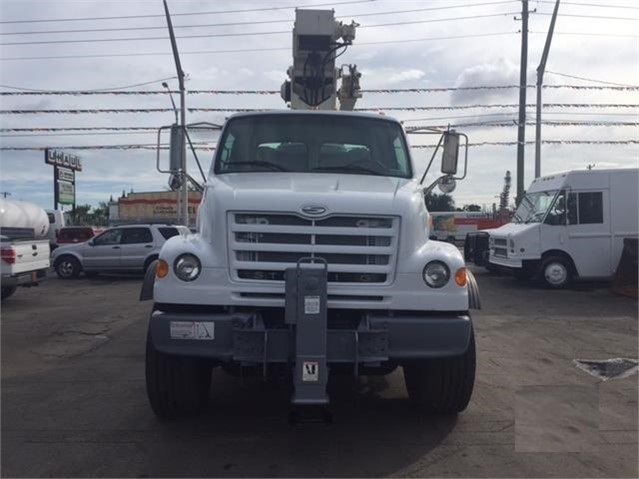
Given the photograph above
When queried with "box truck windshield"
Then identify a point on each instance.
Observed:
(534, 206)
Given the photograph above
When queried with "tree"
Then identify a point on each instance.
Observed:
(441, 202)
(472, 208)
(504, 197)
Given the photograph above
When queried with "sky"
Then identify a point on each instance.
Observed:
(246, 45)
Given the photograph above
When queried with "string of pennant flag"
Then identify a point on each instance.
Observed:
(277, 92)
(211, 148)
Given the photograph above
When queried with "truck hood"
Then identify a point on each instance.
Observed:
(513, 230)
(342, 193)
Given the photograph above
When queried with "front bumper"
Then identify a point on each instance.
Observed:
(244, 338)
(505, 262)
(30, 278)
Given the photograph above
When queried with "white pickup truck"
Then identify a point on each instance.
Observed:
(24, 245)
(312, 256)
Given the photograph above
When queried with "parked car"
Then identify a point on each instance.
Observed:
(74, 234)
(130, 248)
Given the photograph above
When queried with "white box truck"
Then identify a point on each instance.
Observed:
(569, 225)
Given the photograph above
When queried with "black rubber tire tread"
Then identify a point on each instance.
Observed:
(8, 291)
(177, 386)
(76, 270)
(442, 385)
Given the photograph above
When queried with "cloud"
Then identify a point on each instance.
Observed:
(497, 73)
(406, 75)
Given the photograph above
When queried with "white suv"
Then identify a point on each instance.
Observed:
(130, 248)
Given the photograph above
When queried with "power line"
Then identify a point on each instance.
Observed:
(590, 34)
(598, 17)
(216, 12)
(105, 91)
(590, 4)
(259, 22)
(590, 79)
(243, 34)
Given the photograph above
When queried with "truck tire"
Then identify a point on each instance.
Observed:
(442, 385)
(176, 386)
(8, 291)
(556, 272)
(67, 267)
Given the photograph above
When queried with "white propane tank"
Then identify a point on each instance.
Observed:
(21, 214)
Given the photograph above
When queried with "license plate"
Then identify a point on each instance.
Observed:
(197, 330)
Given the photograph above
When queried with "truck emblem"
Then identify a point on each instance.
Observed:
(314, 210)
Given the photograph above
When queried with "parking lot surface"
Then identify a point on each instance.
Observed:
(74, 401)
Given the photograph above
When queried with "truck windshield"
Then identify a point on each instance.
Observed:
(310, 143)
(534, 206)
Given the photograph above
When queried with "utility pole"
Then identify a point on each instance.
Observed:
(183, 203)
(540, 81)
(521, 126)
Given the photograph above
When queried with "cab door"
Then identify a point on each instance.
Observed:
(137, 243)
(103, 251)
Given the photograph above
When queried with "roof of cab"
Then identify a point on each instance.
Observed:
(356, 114)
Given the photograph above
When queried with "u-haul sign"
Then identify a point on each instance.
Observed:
(59, 158)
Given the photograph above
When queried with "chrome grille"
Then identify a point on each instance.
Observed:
(358, 249)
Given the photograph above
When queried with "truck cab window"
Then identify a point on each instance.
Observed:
(591, 207)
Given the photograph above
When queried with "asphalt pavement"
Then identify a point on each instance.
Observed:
(74, 401)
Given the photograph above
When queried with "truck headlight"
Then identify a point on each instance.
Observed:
(187, 267)
(436, 274)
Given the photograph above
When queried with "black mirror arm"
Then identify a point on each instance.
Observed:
(441, 139)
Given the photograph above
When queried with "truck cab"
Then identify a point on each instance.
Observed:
(291, 193)
(569, 225)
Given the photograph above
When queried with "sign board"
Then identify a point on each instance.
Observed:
(64, 168)
(65, 174)
(66, 192)
(59, 158)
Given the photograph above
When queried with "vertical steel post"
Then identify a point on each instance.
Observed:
(540, 82)
(183, 202)
(521, 127)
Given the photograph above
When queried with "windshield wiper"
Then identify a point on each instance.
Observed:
(267, 164)
(355, 168)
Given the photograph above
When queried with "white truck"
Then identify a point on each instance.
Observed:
(569, 225)
(24, 245)
(312, 253)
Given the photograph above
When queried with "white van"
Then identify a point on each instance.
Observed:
(569, 225)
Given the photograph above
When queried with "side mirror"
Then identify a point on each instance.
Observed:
(450, 156)
(90, 243)
(175, 182)
(447, 184)
(176, 148)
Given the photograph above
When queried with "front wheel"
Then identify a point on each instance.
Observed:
(67, 267)
(442, 385)
(556, 272)
(176, 386)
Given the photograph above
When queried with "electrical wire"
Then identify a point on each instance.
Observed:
(248, 50)
(216, 12)
(104, 91)
(241, 34)
(591, 79)
(259, 22)
(590, 4)
(598, 17)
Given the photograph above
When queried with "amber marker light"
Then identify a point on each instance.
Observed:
(162, 269)
(460, 277)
